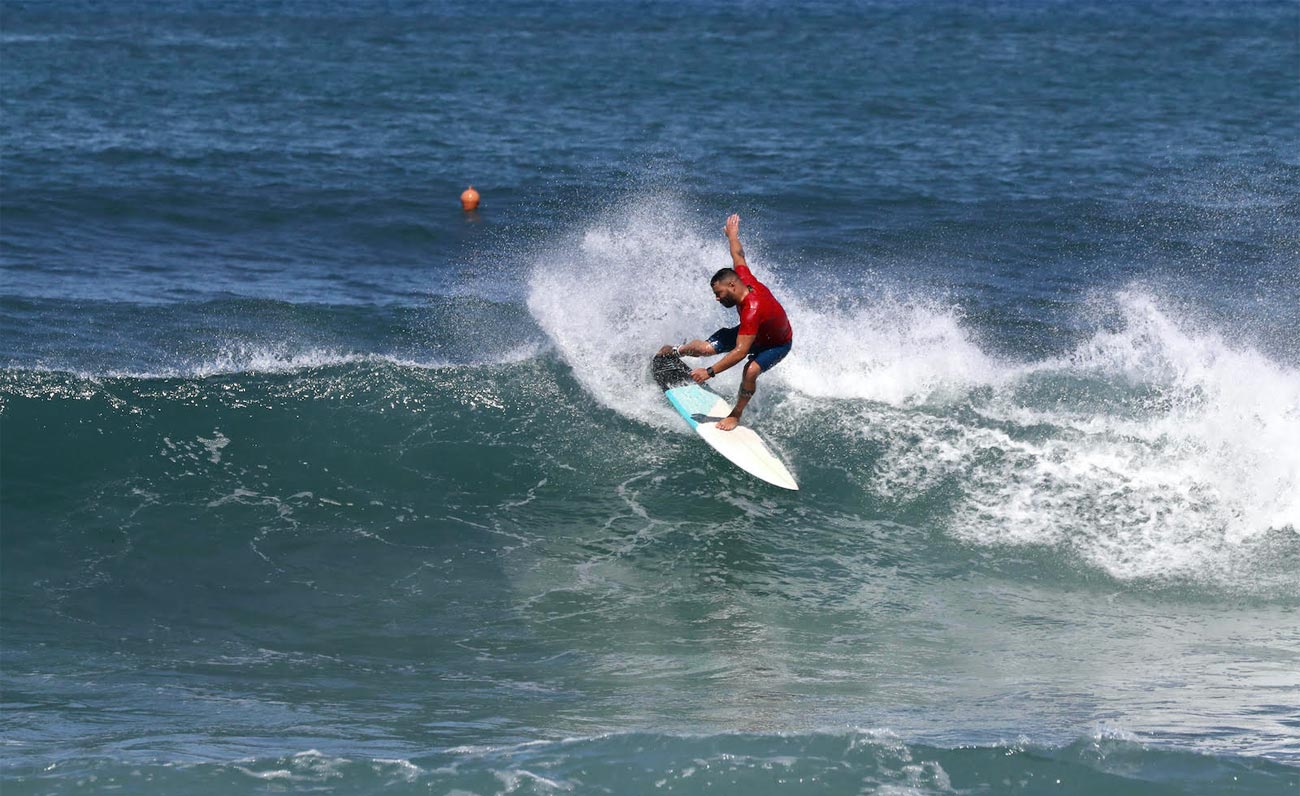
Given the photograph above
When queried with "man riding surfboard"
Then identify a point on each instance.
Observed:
(764, 333)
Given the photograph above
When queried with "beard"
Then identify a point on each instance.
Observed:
(727, 302)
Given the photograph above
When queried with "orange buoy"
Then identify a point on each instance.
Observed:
(469, 199)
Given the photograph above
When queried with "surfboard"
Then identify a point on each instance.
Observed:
(702, 408)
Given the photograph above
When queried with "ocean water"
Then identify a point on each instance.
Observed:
(310, 481)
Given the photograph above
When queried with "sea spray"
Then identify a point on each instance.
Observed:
(609, 297)
(896, 349)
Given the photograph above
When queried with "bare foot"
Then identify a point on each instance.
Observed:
(728, 423)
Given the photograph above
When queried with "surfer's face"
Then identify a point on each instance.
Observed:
(725, 293)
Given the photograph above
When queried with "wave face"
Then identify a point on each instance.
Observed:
(310, 480)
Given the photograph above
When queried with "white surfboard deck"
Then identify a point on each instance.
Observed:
(702, 409)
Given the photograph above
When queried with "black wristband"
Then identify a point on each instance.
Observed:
(709, 370)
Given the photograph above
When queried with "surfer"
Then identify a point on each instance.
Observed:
(764, 333)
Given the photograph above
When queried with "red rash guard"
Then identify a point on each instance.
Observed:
(761, 314)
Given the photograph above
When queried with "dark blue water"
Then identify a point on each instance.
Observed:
(310, 480)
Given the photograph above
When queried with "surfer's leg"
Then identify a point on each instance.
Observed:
(759, 362)
(695, 348)
(748, 385)
(719, 342)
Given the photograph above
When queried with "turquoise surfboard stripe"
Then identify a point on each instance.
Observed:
(691, 400)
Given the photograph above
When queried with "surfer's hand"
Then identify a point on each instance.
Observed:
(700, 375)
(728, 423)
(732, 229)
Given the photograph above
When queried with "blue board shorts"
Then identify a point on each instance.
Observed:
(724, 340)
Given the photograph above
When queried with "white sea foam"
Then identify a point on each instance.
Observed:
(1183, 465)
(262, 359)
(243, 358)
(239, 358)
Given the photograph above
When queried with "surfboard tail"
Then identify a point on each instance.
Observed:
(670, 371)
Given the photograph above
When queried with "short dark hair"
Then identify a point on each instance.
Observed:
(723, 275)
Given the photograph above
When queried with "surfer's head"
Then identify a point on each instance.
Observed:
(727, 287)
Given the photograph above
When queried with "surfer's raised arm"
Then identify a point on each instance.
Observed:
(763, 334)
(732, 230)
